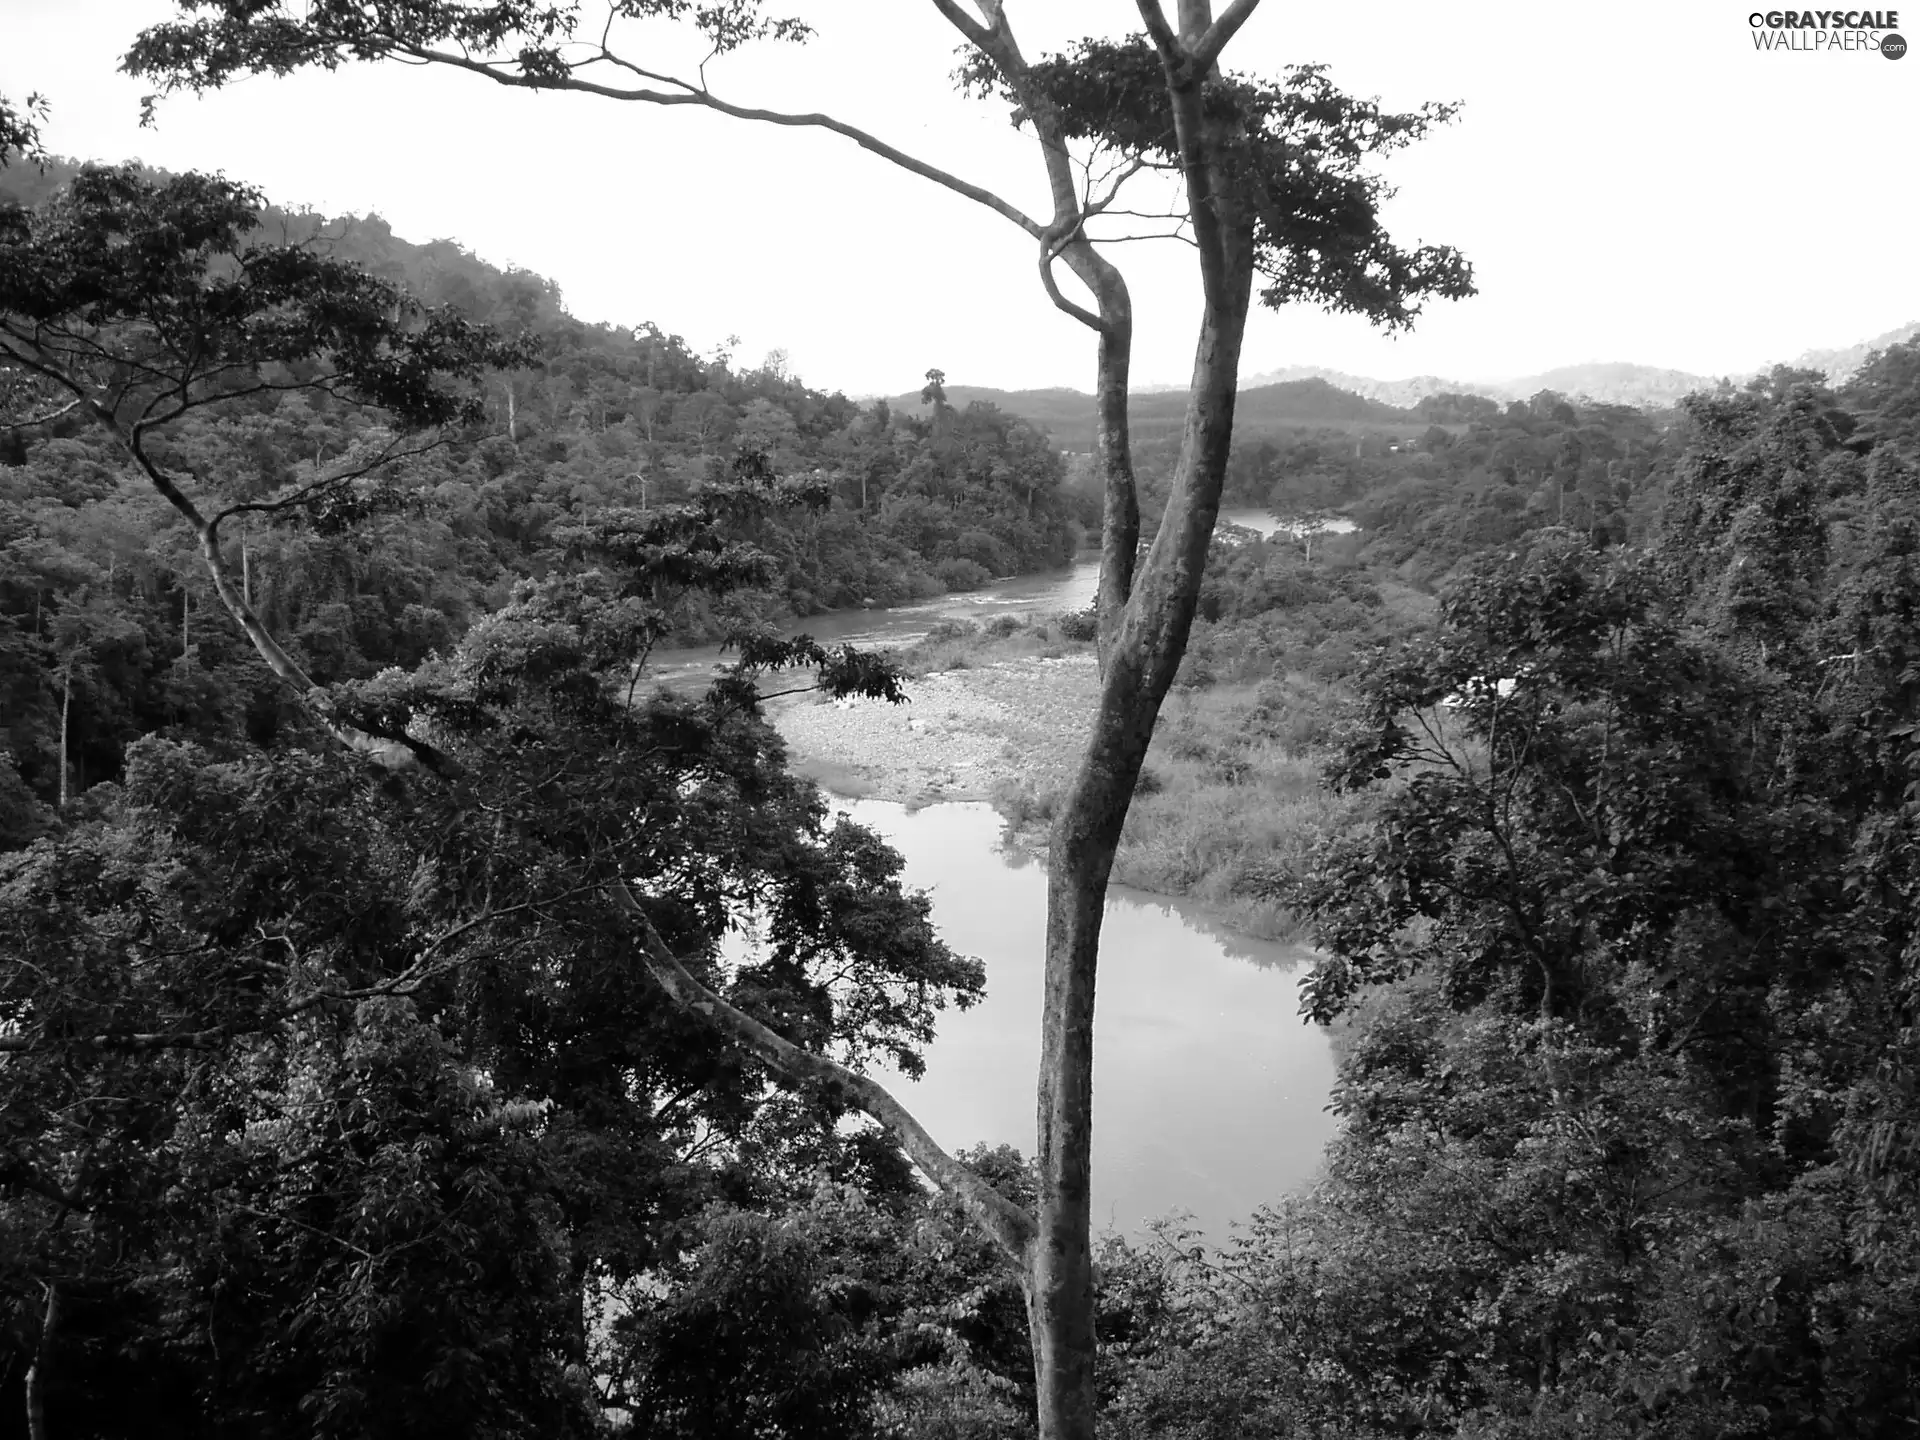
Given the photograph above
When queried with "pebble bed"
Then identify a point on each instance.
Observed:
(963, 733)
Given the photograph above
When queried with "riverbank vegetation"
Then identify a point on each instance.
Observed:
(1619, 930)
(1231, 801)
(1628, 956)
(335, 1101)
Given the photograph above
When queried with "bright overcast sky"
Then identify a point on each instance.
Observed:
(1633, 181)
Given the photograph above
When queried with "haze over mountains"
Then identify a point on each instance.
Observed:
(1311, 394)
(1619, 383)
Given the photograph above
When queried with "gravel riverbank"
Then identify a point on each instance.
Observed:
(963, 731)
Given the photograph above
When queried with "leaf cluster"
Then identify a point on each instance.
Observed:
(1296, 158)
(147, 298)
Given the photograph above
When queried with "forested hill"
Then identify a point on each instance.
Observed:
(339, 1100)
(613, 416)
(1262, 410)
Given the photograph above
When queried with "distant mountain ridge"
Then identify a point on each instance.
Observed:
(1611, 383)
(1315, 394)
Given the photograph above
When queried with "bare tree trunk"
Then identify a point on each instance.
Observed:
(1113, 448)
(42, 1363)
(1148, 638)
(66, 705)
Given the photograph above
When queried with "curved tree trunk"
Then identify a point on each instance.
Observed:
(1141, 659)
(1140, 666)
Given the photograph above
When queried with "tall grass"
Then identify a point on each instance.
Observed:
(963, 645)
(1230, 802)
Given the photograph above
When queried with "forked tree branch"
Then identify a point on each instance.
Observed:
(1207, 52)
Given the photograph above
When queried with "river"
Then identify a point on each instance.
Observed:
(1209, 1093)
(1026, 596)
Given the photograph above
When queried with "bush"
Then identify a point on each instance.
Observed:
(1196, 671)
(942, 631)
(985, 550)
(1291, 714)
(1001, 626)
(1080, 625)
(962, 574)
(1022, 802)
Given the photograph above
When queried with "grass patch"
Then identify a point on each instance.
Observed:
(1235, 805)
(1229, 804)
(963, 645)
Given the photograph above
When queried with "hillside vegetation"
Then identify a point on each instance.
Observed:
(338, 1099)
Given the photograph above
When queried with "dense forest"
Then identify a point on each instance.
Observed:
(335, 1103)
(101, 621)
(1623, 952)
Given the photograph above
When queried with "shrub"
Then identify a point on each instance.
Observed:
(1196, 671)
(1022, 802)
(1001, 626)
(1080, 625)
(962, 574)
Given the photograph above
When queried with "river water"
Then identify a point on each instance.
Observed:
(1025, 596)
(1209, 1092)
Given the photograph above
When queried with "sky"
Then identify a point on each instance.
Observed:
(1630, 181)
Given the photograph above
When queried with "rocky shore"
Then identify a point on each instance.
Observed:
(963, 733)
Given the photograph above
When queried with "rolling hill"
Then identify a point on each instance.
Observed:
(1068, 414)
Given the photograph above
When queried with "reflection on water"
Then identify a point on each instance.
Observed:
(1209, 1092)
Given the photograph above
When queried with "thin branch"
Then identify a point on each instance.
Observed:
(1009, 1225)
(1164, 40)
(1061, 302)
(387, 456)
(691, 94)
(979, 35)
(40, 419)
(285, 1219)
(1160, 235)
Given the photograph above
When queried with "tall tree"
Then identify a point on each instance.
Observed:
(332, 936)
(1265, 179)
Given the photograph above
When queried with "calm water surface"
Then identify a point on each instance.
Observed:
(1209, 1092)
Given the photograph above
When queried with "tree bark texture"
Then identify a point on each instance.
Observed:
(38, 1371)
(1141, 660)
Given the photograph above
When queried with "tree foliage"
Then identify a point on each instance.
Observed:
(1625, 956)
(332, 1090)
